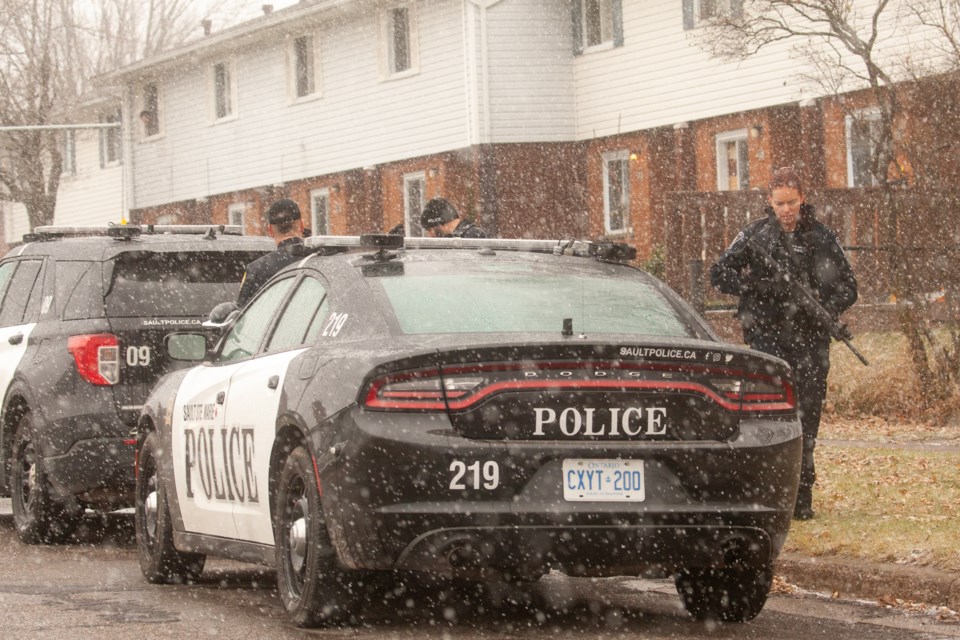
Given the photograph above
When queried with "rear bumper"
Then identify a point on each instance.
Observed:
(389, 501)
(99, 471)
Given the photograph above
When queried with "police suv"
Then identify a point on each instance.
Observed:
(484, 409)
(83, 312)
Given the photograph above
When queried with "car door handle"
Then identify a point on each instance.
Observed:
(221, 397)
(273, 382)
(16, 338)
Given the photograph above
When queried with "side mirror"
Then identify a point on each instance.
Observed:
(221, 315)
(189, 347)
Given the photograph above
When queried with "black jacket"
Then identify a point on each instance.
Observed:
(813, 255)
(264, 267)
(466, 229)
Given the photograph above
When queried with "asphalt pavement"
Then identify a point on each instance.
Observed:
(852, 578)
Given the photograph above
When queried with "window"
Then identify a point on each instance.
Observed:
(864, 130)
(320, 212)
(597, 24)
(399, 36)
(69, 153)
(15, 309)
(248, 332)
(237, 215)
(523, 297)
(303, 66)
(299, 315)
(111, 152)
(223, 90)
(616, 191)
(696, 12)
(170, 284)
(150, 110)
(414, 198)
(733, 161)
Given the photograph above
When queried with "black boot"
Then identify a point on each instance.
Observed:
(804, 507)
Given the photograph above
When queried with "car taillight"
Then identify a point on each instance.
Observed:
(757, 394)
(97, 356)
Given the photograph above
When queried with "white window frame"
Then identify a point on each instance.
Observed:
(111, 139)
(69, 153)
(388, 69)
(412, 211)
(231, 90)
(741, 137)
(238, 208)
(605, 9)
(292, 68)
(158, 112)
(702, 9)
(872, 116)
(622, 156)
(315, 228)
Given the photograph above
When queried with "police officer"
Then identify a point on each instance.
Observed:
(440, 219)
(286, 227)
(773, 322)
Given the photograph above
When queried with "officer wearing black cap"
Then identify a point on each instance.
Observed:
(441, 220)
(286, 227)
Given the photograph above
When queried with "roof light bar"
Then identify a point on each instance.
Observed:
(127, 231)
(607, 251)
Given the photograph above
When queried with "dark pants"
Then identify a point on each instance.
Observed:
(810, 360)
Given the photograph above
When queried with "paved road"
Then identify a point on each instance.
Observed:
(93, 589)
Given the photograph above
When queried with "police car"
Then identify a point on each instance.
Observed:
(483, 409)
(83, 311)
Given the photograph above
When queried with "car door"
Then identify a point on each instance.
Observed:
(20, 293)
(211, 455)
(255, 399)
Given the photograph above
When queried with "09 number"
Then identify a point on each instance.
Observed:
(485, 475)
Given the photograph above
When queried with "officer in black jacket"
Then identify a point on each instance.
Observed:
(440, 219)
(286, 227)
(772, 321)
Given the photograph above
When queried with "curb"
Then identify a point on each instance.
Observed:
(849, 577)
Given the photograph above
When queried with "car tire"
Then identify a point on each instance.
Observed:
(732, 594)
(160, 561)
(38, 515)
(312, 586)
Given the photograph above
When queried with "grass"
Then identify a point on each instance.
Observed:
(884, 505)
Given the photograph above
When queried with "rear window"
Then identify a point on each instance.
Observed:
(515, 297)
(146, 283)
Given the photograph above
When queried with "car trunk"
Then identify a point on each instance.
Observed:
(575, 392)
(149, 295)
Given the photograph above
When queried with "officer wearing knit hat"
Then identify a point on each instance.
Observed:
(286, 227)
(440, 219)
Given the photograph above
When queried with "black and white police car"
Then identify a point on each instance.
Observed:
(470, 408)
(83, 312)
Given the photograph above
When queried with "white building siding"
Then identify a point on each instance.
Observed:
(94, 195)
(15, 221)
(531, 90)
(359, 119)
(661, 76)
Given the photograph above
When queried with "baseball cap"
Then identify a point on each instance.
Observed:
(437, 212)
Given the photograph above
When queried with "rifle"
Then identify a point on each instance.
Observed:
(806, 299)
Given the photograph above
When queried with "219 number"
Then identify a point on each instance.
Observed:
(475, 475)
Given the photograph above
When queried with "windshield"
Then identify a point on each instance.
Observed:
(187, 283)
(443, 297)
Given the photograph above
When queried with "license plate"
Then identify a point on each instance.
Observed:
(603, 481)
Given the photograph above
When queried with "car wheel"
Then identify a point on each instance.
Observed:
(37, 515)
(313, 588)
(735, 594)
(160, 562)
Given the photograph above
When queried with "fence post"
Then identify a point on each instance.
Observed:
(696, 285)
